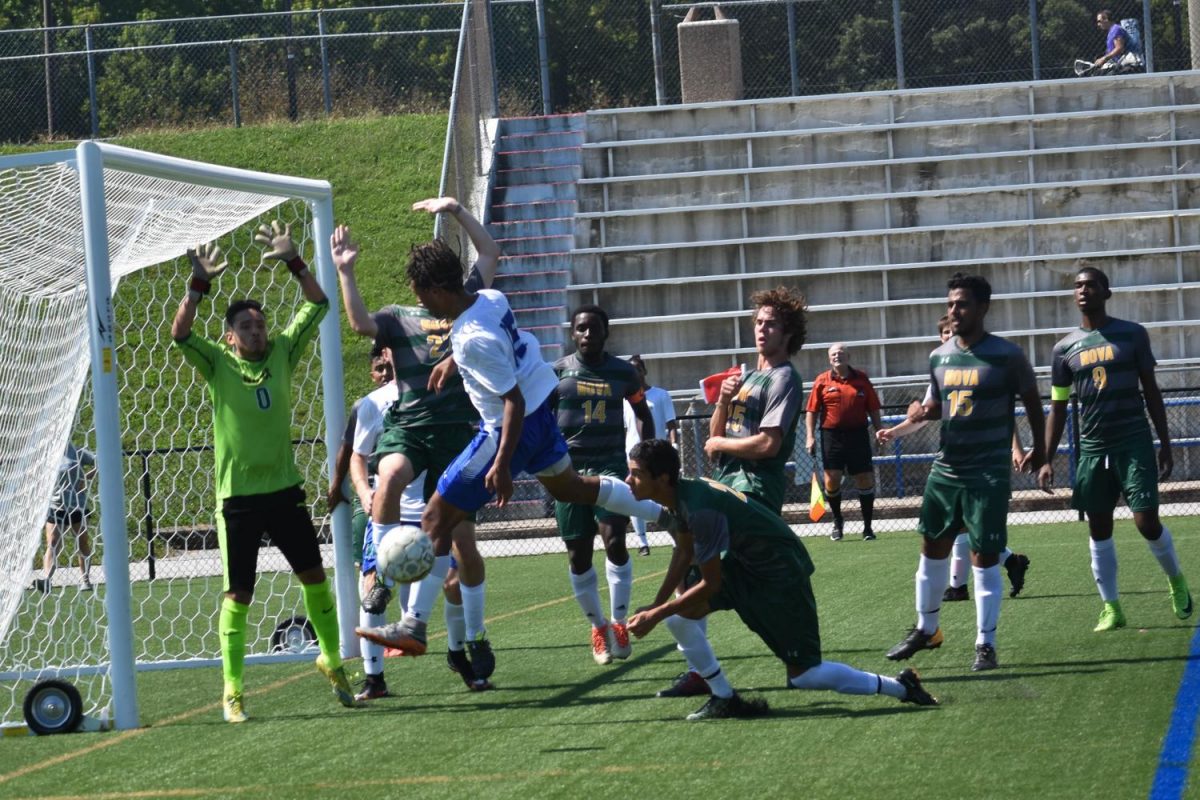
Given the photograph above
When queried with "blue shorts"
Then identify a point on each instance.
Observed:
(541, 446)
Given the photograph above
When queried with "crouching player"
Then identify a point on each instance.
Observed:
(763, 576)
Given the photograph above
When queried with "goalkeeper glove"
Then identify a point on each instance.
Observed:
(207, 264)
(277, 237)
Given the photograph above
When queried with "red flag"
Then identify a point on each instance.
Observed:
(712, 384)
(816, 501)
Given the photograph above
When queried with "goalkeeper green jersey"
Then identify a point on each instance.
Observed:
(252, 406)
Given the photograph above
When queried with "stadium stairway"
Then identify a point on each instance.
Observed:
(532, 217)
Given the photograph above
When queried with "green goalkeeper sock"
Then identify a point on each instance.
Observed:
(322, 614)
(232, 627)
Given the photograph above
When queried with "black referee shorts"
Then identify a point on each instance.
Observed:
(282, 517)
(846, 450)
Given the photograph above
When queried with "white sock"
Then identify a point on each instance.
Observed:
(587, 594)
(620, 587)
(1104, 568)
(639, 527)
(472, 603)
(426, 591)
(960, 564)
(989, 588)
(1005, 556)
(845, 679)
(372, 654)
(699, 654)
(933, 575)
(618, 498)
(456, 626)
(1163, 549)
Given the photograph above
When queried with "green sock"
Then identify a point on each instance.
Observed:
(322, 614)
(232, 627)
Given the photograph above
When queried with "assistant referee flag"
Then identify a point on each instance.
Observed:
(816, 501)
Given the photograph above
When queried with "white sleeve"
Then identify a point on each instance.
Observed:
(368, 428)
(490, 363)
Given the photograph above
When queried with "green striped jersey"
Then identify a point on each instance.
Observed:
(591, 409)
(768, 398)
(1103, 367)
(976, 388)
(418, 341)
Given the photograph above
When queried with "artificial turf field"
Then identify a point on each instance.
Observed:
(1069, 714)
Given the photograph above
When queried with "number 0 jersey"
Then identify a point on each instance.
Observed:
(591, 409)
(976, 388)
(252, 406)
(1103, 367)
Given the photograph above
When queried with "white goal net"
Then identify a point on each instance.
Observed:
(54, 627)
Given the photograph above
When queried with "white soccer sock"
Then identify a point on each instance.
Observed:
(1104, 568)
(844, 679)
(616, 497)
(699, 654)
(403, 595)
(1163, 549)
(587, 594)
(989, 588)
(372, 654)
(639, 527)
(960, 563)
(456, 626)
(620, 588)
(425, 592)
(472, 603)
(933, 575)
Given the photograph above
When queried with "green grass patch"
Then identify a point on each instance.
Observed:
(1069, 714)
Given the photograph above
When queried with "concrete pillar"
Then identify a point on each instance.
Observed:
(710, 59)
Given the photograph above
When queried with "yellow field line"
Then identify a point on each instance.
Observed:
(125, 736)
(412, 780)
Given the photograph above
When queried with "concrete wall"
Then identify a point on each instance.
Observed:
(861, 199)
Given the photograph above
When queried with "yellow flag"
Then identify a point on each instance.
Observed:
(816, 501)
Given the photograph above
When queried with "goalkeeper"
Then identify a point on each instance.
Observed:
(249, 380)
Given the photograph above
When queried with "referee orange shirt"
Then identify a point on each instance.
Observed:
(843, 402)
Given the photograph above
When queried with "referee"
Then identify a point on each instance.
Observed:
(843, 397)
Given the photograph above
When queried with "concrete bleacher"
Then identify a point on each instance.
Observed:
(869, 202)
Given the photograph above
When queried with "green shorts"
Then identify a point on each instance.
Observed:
(983, 510)
(782, 613)
(358, 528)
(579, 521)
(1101, 479)
(429, 448)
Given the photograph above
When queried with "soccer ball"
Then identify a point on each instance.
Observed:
(405, 554)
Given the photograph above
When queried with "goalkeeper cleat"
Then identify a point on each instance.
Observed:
(376, 600)
(985, 658)
(955, 594)
(1016, 566)
(687, 684)
(1111, 618)
(916, 641)
(601, 653)
(1181, 598)
(483, 660)
(620, 646)
(339, 682)
(41, 584)
(915, 693)
(733, 707)
(406, 636)
(232, 709)
(373, 687)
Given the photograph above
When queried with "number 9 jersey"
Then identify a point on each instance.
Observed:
(976, 388)
(252, 406)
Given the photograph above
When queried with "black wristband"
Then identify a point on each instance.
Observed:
(199, 285)
(297, 266)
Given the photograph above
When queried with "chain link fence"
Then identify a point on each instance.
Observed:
(562, 56)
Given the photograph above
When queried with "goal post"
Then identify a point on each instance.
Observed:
(80, 227)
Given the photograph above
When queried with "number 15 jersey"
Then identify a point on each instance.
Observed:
(977, 387)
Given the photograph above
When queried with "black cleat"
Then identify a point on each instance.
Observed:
(916, 694)
(730, 708)
(458, 663)
(916, 641)
(837, 531)
(41, 584)
(687, 684)
(985, 658)
(644, 550)
(483, 660)
(376, 600)
(954, 594)
(1016, 566)
(868, 535)
(373, 687)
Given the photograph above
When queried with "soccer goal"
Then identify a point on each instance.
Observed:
(92, 269)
